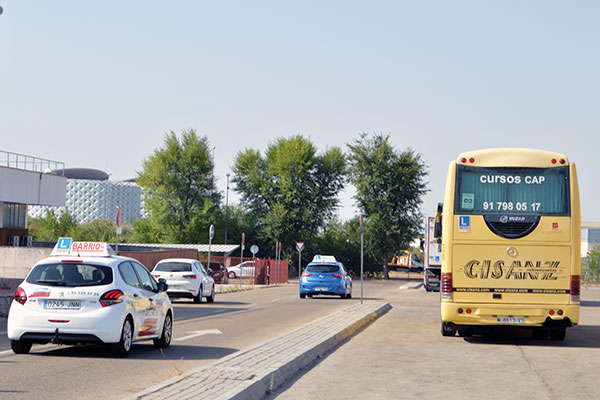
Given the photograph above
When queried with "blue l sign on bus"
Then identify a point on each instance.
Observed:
(464, 223)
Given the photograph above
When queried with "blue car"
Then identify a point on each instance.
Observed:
(325, 276)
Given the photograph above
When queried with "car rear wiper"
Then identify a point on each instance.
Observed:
(55, 283)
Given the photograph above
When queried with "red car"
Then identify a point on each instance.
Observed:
(219, 272)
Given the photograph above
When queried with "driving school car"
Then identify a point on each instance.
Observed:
(84, 293)
(325, 276)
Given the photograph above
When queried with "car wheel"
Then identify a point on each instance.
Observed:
(448, 330)
(123, 346)
(343, 296)
(231, 275)
(310, 295)
(20, 346)
(198, 297)
(167, 333)
(349, 296)
(302, 295)
(211, 298)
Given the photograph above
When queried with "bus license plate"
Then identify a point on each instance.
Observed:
(62, 304)
(510, 320)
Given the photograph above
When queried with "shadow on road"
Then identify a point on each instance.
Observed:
(142, 351)
(580, 336)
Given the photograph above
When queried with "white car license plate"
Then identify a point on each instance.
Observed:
(62, 304)
(510, 320)
(321, 288)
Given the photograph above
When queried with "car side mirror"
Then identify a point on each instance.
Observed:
(209, 272)
(162, 285)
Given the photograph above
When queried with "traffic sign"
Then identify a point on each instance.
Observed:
(119, 217)
(211, 232)
(254, 249)
(299, 246)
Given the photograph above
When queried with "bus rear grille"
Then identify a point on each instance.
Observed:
(512, 230)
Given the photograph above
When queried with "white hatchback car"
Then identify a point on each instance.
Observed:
(83, 293)
(186, 277)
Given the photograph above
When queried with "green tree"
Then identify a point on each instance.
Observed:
(291, 191)
(389, 190)
(593, 265)
(98, 230)
(179, 189)
(50, 227)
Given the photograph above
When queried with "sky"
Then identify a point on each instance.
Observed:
(99, 84)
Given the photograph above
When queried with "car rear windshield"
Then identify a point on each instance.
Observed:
(323, 268)
(70, 275)
(173, 267)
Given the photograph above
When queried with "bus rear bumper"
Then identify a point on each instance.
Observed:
(510, 314)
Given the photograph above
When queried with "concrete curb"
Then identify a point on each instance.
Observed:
(411, 286)
(255, 372)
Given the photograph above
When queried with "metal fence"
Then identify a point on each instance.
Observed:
(29, 163)
(589, 273)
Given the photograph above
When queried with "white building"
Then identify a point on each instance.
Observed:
(90, 196)
(590, 237)
(25, 181)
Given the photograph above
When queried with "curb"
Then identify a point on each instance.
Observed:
(411, 286)
(254, 373)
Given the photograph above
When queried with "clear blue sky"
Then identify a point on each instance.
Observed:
(98, 84)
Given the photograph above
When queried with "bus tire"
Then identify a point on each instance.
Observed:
(558, 333)
(448, 329)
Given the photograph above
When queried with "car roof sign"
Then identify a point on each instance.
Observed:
(323, 259)
(67, 247)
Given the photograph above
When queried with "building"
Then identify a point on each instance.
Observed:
(26, 181)
(90, 196)
(590, 237)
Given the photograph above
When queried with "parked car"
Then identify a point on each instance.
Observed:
(431, 279)
(246, 268)
(219, 272)
(83, 293)
(186, 277)
(325, 276)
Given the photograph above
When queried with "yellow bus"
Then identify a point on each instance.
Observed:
(510, 230)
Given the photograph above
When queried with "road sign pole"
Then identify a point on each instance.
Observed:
(242, 257)
(361, 257)
(211, 233)
(299, 263)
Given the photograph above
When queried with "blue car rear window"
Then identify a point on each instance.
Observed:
(323, 268)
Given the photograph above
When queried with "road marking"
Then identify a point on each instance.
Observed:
(2, 333)
(200, 333)
(274, 300)
(219, 311)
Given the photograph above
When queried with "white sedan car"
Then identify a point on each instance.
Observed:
(186, 277)
(83, 293)
(246, 269)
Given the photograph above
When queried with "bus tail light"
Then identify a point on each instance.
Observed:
(20, 296)
(575, 288)
(111, 298)
(447, 285)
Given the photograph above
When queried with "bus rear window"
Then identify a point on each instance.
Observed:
(521, 191)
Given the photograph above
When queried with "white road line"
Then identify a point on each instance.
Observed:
(2, 333)
(219, 311)
(200, 333)
(274, 300)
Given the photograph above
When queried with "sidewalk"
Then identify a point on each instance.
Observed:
(257, 371)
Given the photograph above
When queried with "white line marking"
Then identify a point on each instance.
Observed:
(219, 311)
(200, 333)
(274, 300)
(2, 333)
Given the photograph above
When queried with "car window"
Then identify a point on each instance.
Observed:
(128, 274)
(415, 258)
(148, 283)
(173, 267)
(323, 268)
(70, 275)
(201, 268)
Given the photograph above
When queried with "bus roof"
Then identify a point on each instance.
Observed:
(512, 157)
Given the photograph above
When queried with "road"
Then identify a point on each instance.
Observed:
(403, 355)
(87, 372)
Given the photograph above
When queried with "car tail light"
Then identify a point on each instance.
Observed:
(72, 261)
(575, 287)
(189, 276)
(156, 276)
(20, 296)
(336, 275)
(432, 276)
(447, 285)
(306, 274)
(111, 298)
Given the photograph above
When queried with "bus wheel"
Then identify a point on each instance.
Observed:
(558, 333)
(465, 331)
(539, 333)
(448, 330)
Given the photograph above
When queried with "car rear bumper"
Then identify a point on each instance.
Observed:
(97, 326)
(323, 289)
